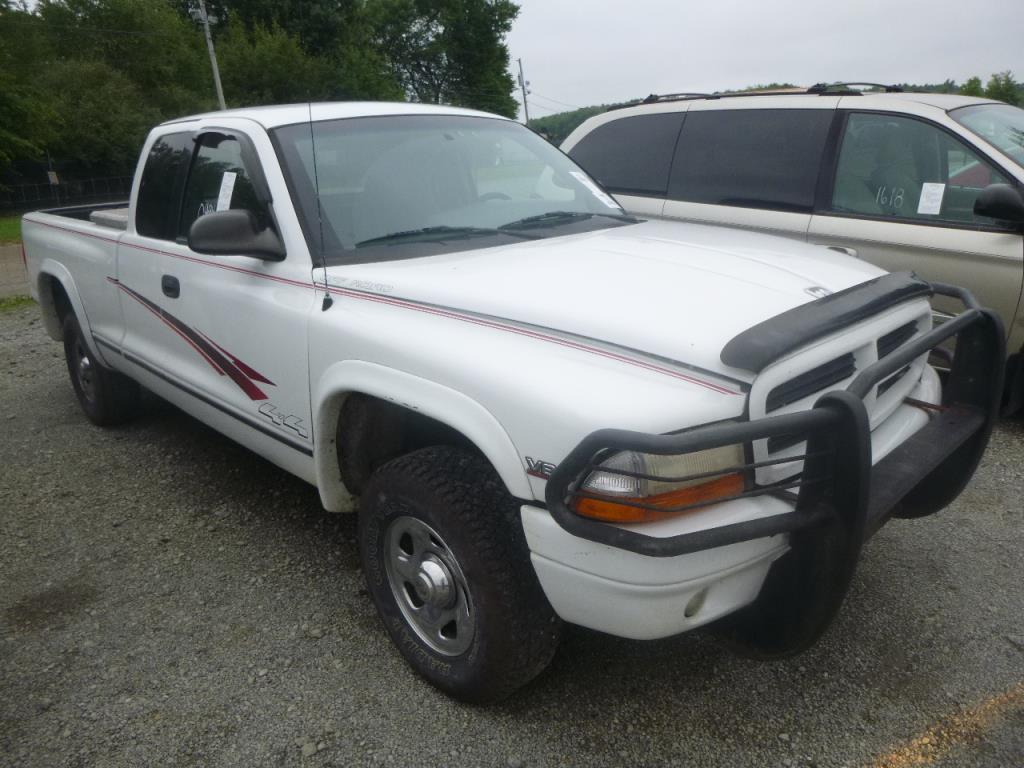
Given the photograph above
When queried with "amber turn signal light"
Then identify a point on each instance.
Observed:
(659, 506)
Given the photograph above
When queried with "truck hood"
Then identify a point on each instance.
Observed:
(668, 289)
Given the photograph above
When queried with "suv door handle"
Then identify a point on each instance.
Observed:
(170, 286)
(843, 249)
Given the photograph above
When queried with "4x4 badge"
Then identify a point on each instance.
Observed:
(293, 423)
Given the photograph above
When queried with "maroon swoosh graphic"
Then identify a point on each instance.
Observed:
(250, 372)
(219, 360)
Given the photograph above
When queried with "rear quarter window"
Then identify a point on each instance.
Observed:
(156, 209)
(754, 158)
(632, 155)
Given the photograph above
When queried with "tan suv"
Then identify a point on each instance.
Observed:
(908, 181)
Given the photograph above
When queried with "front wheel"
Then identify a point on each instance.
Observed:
(447, 566)
(107, 397)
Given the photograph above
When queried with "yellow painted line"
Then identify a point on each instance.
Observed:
(954, 731)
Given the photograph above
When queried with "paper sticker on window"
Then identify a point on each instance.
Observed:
(227, 187)
(595, 190)
(931, 198)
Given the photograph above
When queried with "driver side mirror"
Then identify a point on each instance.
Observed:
(234, 232)
(1000, 201)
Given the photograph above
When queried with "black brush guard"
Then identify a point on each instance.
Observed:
(840, 498)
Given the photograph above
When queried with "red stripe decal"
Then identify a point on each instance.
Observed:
(416, 307)
(534, 335)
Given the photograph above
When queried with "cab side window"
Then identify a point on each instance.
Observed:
(631, 155)
(218, 181)
(901, 168)
(156, 208)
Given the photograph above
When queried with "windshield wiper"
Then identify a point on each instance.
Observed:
(558, 217)
(444, 230)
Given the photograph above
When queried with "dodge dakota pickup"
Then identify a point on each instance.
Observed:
(542, 409)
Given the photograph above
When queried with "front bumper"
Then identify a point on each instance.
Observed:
(837, 501)
(643, 598)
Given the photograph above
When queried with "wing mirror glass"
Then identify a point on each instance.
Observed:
(234, 232)
(1000, 201)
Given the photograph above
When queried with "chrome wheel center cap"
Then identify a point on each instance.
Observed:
(433, 583)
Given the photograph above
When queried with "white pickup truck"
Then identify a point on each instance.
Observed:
(543, 409)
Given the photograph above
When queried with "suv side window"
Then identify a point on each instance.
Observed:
(218, 181)
(898, 167)
(631, 155)
(752, 158)
(156, 209)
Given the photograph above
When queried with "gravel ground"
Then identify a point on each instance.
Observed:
(171, 599)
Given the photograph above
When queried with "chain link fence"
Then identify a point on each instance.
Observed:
(25, 197)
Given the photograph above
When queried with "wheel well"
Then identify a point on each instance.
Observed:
(372, 432)
(55, 304)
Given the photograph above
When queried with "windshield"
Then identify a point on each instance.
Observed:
(999, 124)
(410, 185)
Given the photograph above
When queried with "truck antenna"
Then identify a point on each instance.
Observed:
(328, 300)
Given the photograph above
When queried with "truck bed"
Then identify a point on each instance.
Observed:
(113, 215)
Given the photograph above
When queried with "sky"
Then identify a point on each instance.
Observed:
(583, 52)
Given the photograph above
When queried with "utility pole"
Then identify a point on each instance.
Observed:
(522, 84)
(205, 19)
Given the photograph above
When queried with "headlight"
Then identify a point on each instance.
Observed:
(632, 487)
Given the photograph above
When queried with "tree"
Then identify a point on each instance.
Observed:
(268, 66)
(100, 124)
(555, 128)
(972, 87)
(332, 33)
(25, 119)
(449, 51)
(1002, 88)
(146, 41)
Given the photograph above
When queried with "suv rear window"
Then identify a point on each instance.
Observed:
(754, 158)
(631, 155)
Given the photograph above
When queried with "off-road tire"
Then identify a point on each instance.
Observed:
(107, 397)
(458, 495)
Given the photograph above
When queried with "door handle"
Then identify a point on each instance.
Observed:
(170, 286)
(843, 249)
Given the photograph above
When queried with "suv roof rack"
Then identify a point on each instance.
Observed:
(656, 97)
(818, 89)
(845, 87)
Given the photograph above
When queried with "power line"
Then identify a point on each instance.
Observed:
(554, 101)
(549, 110)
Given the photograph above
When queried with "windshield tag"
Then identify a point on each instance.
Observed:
(227, 187)
(931, 198)
(595, 190)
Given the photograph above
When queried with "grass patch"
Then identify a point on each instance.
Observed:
(14, 302)
(10, 229)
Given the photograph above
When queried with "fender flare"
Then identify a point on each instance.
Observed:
(437, 401)
(52, 269)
